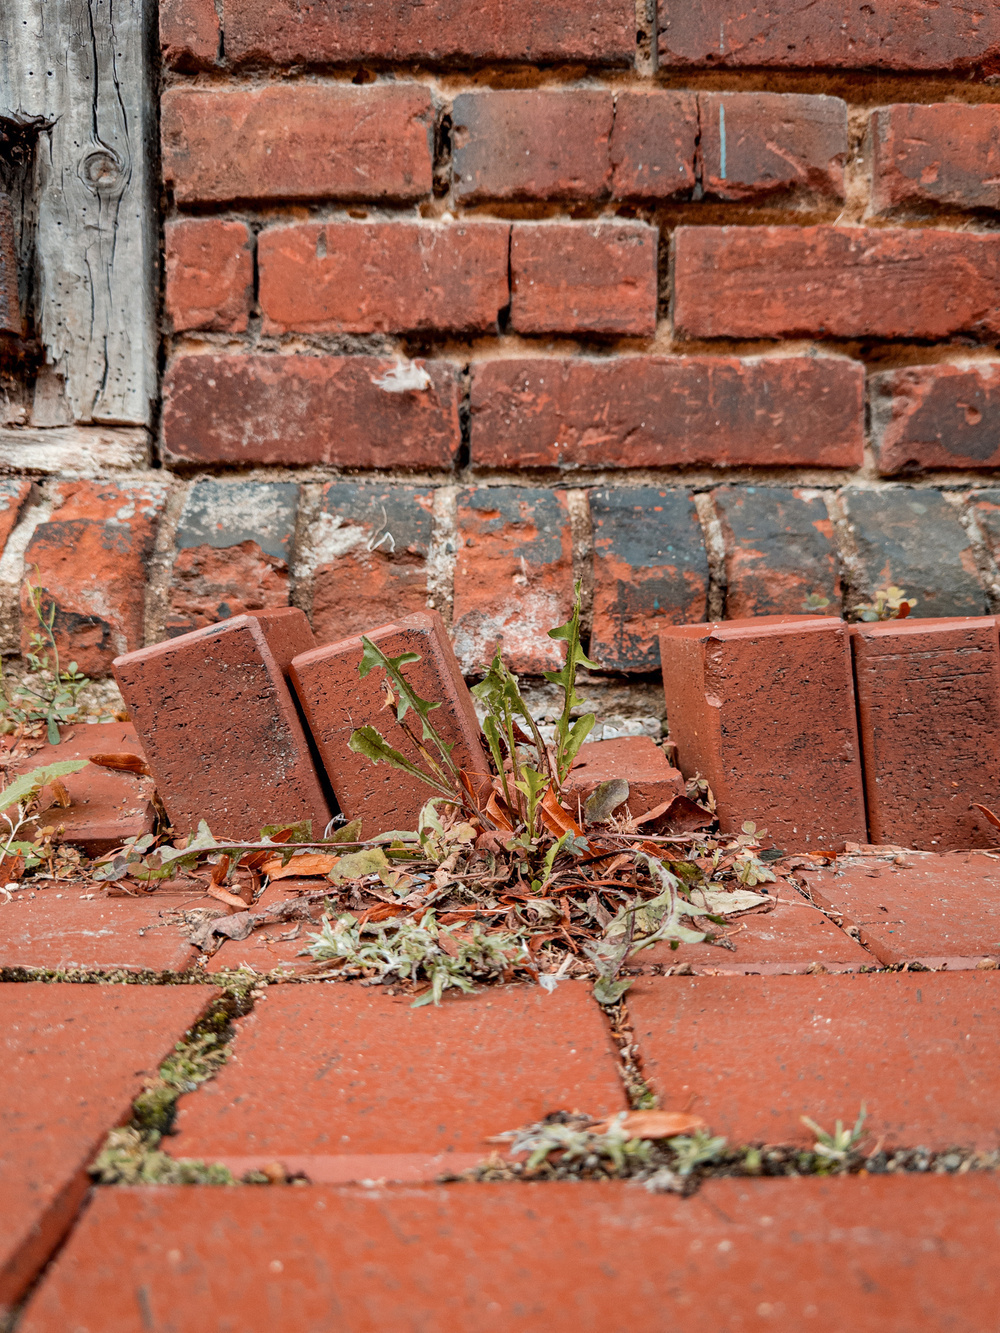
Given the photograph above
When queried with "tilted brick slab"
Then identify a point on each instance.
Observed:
(234, 547)
(349, 1084)
(651, 777)
(372, 540)
(764, 709)
(75, 1057)
(209, 270)
(189, 33)
(936, 417)
(14, 491)
(776, 34)
(297, 141)
(336, 701)
(935, 910)
(583, 277)
(668, 411)
(929, 720)
(513, 577)
(449, 31)
(915, 541)
(754, 1054)
(650, 570)
(654, 143)
(306, 410)
(383, 277)
(220, 730)
(779, 551)
(835, 282)
(946, 154)
(90, 561)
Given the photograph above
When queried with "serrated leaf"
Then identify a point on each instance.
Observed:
(29, 784)
(609, 992)
(367, 741)
(300, 832)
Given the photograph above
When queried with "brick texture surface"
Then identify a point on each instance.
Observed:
(755, 145)
(660, 411)
(984, 507)
(305, 410)
(209, 267)
(835, 282)
(654, 144)
(650, 570)
(189, 33)
(945, 154)
(936, 417)
(14, 491)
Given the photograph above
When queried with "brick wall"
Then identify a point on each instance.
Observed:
(462, 302)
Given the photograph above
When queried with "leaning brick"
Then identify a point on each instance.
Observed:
(936, 417)
(764, 709)
(947, 154)
(370, 549)
(235, 546)
(650, 571)
(336, 701)
(653, 144)
(90, 561)
(929, 718)
(221, 731)
(209, 274)
(780, 552)
(189, 34)
(513, 577)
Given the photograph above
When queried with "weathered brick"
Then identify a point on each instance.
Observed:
(653, 144)
(929, 719)
(297, 141)
(90, 560)
(220, 728)
(650, 571)
(754, 145)
(209, 264)
(913, 540)
(661, 411)
(335, 32)
(942, 416)
(946, 154)
(382, 277)
(779, 552)
(235, 544)
(532, 144)
(13, 493)
(583, 277)
(835, 282)
(513, 577)
(903, 35)
(985, 509)
(651, 777)
(302, 410)
(189, 33)
(370, 551)
(336, 701)
(764, 709)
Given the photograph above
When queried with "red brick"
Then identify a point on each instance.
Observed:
(650, 570)
(943, 416)
(835, 282)
(209, 265)
(659, 411)
(905, 35)
(941, 911)
(298, 141)
(220, 728)
(528, 31)
(653, 144)
(382, 277)
(779, 551)
(532, 144)
(13, 493)
(370, 550)
(945, 154)
(651, 777)
(929, 720)
(333, 1079)
(90, 560)
(513, 577)
(583, 277)
(75, 1057)
(189, 33)
(754, 1054)
(764, 709)
(754, 145)
(307, 410)
(336, 701)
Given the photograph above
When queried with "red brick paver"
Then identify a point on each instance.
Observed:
(884, 1255)
(349, 1083)
(74, 1058)
(753, 1054)
(651, 777)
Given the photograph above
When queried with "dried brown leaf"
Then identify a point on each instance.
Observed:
(123, 763)
(651, 1124)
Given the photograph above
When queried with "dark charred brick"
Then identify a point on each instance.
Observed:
(653, 144)
(947, 154)
(650, 571)
(780, 553)
(936, 417)
(754, 145)
(914, 540)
